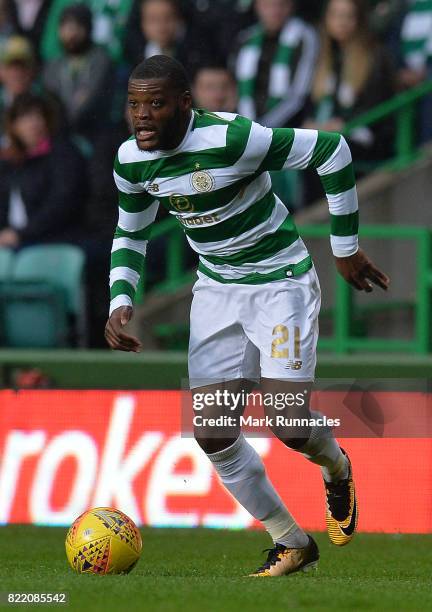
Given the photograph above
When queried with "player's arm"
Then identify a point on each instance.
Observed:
(328, 153)
(137, 211)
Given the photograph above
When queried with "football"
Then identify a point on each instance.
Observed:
(103, 541)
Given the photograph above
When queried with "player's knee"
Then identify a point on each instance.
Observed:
(214, 445)
(295, 443)
(293, 439)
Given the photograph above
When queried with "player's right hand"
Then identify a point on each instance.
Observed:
(360, 272)
(114, 334)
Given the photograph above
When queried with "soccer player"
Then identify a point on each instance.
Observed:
(255, 308)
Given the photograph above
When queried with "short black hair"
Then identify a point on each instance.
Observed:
(162, 67)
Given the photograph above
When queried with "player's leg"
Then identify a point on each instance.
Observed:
(220, 351)
(318, 445)
(289, 413)
(242, 471)
(287, 337)
(210, 403)
(241, 468)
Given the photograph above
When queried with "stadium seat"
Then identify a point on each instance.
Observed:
(42, 304)
(60, 264)
(6, 263)
(33, 315)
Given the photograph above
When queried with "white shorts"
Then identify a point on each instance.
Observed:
(254, 331)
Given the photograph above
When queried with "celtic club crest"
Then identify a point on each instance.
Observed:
(202, 181)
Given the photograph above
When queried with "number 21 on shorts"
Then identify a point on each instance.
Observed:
(280, 347)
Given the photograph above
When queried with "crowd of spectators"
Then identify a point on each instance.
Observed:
(64, 68)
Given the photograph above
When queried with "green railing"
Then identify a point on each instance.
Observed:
(402, 107)
(344, 340)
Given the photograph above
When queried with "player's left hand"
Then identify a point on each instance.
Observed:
(359, 271)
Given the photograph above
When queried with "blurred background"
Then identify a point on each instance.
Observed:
(361, 67)
(89, 422)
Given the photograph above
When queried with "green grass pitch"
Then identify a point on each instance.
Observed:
(186, 570)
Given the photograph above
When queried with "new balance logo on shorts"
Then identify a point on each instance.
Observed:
(294, 365)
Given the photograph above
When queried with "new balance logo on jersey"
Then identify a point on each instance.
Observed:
(153, 188)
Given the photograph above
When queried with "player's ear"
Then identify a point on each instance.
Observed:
(186, 100)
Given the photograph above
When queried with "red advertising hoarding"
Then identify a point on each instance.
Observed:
(62, 452)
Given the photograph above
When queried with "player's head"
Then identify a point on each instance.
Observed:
(160, 102)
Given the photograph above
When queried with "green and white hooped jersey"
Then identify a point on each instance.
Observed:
(216, 184)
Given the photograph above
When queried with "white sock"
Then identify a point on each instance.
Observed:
(243, 474)
(322, 448)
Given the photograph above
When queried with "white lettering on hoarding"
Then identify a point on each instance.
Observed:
(106, 475)
(164, 481)
(82, 448)
(18, 446)
(117, 470)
